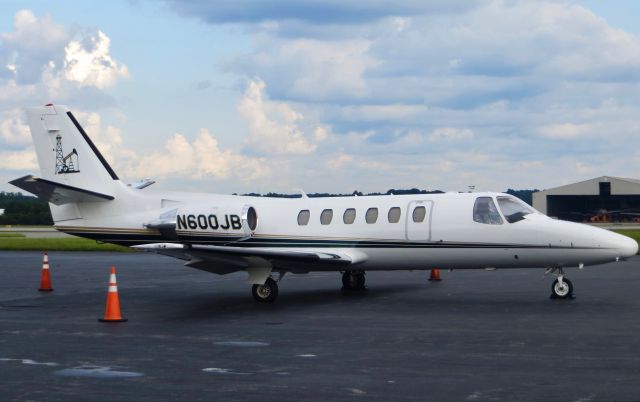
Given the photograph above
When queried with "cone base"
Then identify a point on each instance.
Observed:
(45, 290)
(113, 319)
(434, 279)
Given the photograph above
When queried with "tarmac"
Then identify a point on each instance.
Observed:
(191, 335)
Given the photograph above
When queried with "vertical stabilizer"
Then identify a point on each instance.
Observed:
(66, 154)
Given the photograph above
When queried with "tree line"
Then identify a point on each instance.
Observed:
(22, 209)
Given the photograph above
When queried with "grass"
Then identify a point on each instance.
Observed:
(57, 244)
(10, 234)
(18, 227)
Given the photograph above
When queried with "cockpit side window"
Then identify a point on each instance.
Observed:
(513, 209)
(485, 211)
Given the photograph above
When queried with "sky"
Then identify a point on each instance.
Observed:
(328, 95)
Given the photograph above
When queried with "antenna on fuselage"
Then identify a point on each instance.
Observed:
(302, 193)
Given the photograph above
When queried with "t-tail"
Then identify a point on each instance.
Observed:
(72, 169)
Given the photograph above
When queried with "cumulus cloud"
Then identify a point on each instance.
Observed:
(200, 158)
(31, 46)
(421, 85)
(276, 127)
(89, 63)
(339, 161)
(315, 69)
(13, 129)
(180, 157)
(18, 160)
(42, 60)
(439, 94)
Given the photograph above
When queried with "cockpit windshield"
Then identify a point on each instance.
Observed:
(513, 209)
(485, 211)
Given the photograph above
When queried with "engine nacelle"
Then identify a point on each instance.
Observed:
(240, 221)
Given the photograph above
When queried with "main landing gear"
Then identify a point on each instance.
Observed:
(266, 293)
(353, 280)
(561, 288)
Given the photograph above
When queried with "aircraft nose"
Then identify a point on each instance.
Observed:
(623, 245)
(628, 247)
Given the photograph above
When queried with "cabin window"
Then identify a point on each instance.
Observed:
(419, 213)
(485, 211)
(326, 216)
(303, 217)
(349, 216)
(372, 215)
(394, 215)
(514, 210)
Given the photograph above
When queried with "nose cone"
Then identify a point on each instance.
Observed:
(618, 246)
(627, 246)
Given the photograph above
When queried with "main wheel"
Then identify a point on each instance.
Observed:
(353, 280)
(266, 293)
(562, 290)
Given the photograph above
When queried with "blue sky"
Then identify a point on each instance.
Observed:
(330, 95)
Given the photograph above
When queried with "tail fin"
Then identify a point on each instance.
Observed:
(71, 167)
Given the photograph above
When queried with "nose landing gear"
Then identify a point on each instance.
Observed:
(561, 288)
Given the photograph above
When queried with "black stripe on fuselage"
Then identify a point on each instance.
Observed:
(133, 238)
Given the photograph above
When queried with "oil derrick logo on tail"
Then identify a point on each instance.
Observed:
(66, 163)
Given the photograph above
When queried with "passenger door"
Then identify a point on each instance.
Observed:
(419, 220)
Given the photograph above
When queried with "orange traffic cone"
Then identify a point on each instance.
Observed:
(435, 275)
(112, 312)
(45, 277)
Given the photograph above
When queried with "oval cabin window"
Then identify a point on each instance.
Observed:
(372, 215)
(349, 216)
(419, 213)
(326, 216)
(394, 215)
(303, 217)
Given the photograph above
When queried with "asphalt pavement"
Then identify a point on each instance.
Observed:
(191, 335)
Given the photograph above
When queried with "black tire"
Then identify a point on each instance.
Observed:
(353, 280)
(361, 280)
(266, 293)
(562, 291)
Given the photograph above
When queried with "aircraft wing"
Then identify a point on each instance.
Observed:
(57, 193)
(226, 259)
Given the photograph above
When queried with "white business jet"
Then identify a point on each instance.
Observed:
(267, 236)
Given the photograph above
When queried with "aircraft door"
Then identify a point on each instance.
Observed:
(419, 220)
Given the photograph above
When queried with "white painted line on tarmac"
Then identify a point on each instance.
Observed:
(28, 362)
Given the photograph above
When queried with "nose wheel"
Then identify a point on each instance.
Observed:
(561, 288)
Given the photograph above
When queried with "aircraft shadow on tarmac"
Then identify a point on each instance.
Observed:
(388, 299)
(219, 305)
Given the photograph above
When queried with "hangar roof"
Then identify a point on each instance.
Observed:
(619, 185)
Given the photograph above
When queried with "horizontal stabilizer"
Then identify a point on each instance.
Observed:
(58, 193)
